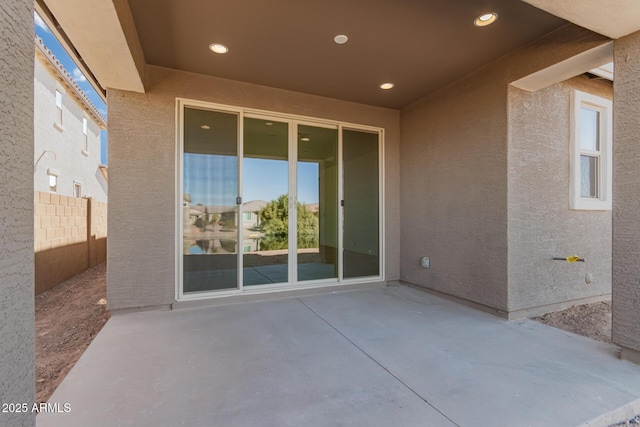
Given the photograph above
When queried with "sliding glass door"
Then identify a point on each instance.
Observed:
(273, 202)
(209, 211)
(361, 204)
(265, 202)
(317, 203)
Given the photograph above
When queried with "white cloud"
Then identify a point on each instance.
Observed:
(38, 21)
(78, 76)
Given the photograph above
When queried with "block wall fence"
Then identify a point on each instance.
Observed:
(70, 235)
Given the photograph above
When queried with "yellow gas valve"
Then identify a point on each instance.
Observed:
(572, 258)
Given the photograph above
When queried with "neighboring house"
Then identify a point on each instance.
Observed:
(250, 213)
(66, 133)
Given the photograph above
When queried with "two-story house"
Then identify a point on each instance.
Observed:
(66, 133)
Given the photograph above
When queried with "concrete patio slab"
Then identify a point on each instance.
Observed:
(380, 357)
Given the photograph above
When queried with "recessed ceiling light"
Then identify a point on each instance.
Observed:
(341, 39)
(485, 19)
(269, 124)
(218, 48)
(386, 86)
(305, 139)
(205, 127)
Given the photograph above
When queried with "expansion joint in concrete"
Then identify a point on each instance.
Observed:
(377, 362)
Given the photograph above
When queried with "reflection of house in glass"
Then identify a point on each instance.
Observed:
(251, 213)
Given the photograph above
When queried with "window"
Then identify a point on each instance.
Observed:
(85, 133)
(591, 152)
(58, 108)
(53, 174)
(246, 216)
(77, 189)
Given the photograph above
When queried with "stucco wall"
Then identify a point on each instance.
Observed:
(142, 162)
(453, 190)
(454, 162)
(17, 353)
(626, 191)
(541, 225)
(68, 145)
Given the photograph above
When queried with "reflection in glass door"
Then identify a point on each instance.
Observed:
(317, 203)
(265, 207)
(361, 236)
(209, 212)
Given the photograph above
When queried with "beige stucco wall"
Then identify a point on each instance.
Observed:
(541, 225)
(626, 194)
(17, 351)
(142, 163)
(454, 162)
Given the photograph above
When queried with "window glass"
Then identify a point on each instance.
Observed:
(588, 176)
(589, 129)
(53, 183)
(361, 204)
(210, 215)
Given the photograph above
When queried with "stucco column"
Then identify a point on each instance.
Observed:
(17, 328)
(626, 197)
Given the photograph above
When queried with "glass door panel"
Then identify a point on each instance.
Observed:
(265, 207)
(210, 215)
(317, 206)
(361, 235)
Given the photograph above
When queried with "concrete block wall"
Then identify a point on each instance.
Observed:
(69, 235)
(97, 232)
(17, 326)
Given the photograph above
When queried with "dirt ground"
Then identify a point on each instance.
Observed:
(68, 317)
(589, 320)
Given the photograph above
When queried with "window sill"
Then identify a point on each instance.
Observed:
(591, 205)
(58, 126)
(85, 152)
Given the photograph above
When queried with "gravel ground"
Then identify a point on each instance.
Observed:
(635, 421)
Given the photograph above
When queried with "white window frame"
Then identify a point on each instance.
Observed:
(603, 201)
(77, 185)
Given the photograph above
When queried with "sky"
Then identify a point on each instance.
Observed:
(58, 51)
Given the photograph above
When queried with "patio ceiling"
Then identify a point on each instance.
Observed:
(288, 44)
(420, 46)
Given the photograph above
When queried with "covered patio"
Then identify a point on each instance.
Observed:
(473, 194)
(376, 357)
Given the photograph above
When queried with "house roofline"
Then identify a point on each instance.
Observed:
(54, 65)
